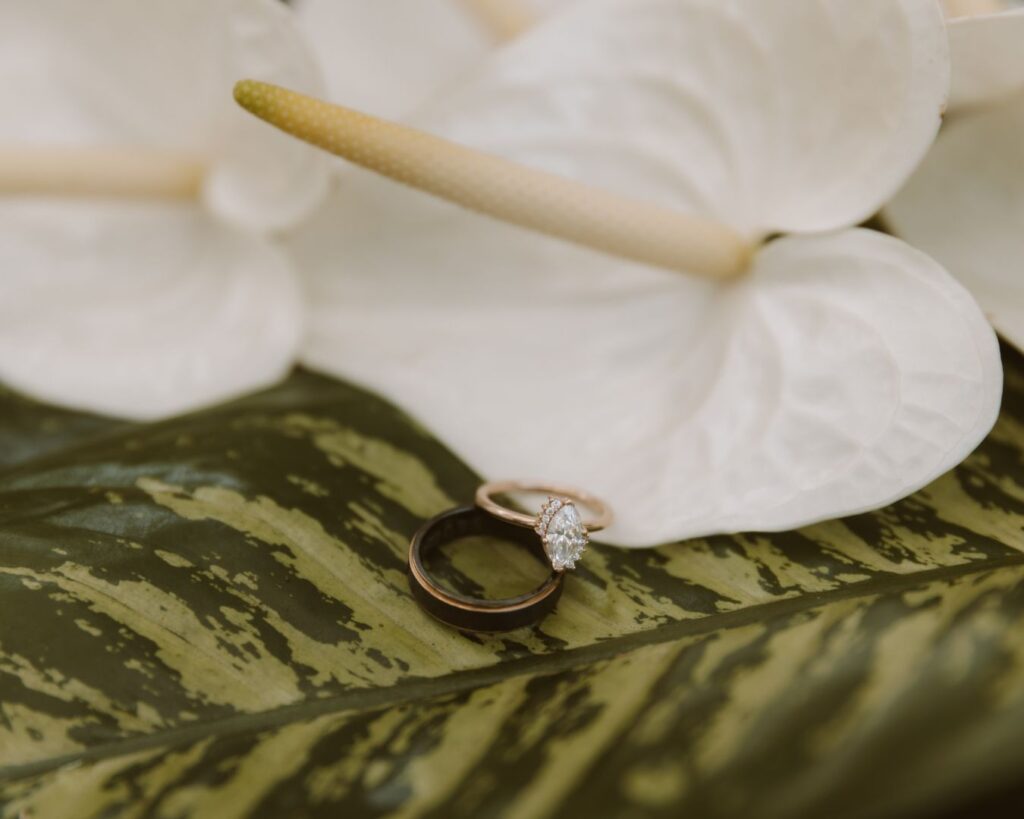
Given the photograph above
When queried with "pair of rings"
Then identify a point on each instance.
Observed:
(559, 536)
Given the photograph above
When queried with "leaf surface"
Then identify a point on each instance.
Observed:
(211, 614)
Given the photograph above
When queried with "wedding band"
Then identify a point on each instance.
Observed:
(563, 532)
(471, 613)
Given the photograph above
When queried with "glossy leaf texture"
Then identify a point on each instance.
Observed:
(208, 616)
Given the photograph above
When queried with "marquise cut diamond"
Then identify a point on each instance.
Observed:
(565, 536)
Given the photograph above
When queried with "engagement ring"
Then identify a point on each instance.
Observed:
(563, 531)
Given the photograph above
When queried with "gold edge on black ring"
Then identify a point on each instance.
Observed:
(487, 606)
(472, 613)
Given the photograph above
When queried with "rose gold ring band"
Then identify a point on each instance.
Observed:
(601, 513)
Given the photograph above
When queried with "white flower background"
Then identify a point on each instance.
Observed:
(843, 370)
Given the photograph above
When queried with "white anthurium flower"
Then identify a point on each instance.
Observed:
(137, 204)
(391, 58)
(838, 371)
(986, 39)
(965, 203)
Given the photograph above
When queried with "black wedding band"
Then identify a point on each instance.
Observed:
(471, 613)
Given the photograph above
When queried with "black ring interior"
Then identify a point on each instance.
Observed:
(479, 614)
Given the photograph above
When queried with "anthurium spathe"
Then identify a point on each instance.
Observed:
(965, 203)
(140, 276)
(987, 54)
(826, 372)
(390, 58)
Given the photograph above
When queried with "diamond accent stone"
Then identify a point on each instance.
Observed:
(565, 536)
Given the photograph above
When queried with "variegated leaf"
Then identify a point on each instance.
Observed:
(209, 617)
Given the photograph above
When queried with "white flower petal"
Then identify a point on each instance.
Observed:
(140, 311)
(768, 116)
(159, 74)
(844, 372)
(987, 53)
(390, 57)
(965, 207)
(542, 8)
